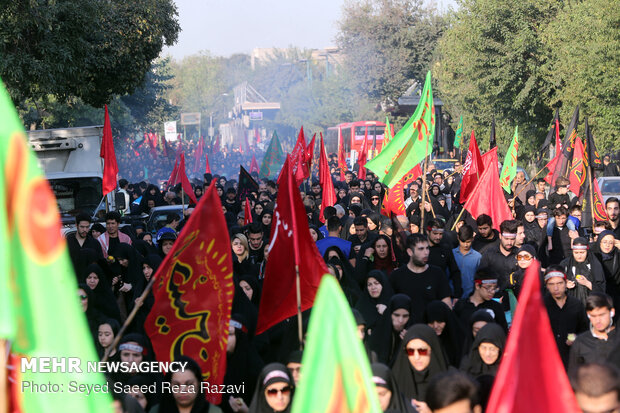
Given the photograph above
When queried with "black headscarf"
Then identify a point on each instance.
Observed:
(256, 290)
(611, 265)
(271, 373)
(384, 341)
(451, 337)
(103, 299)
(382, 377)
(367, 305)
(591, 268)
(414, 383)
(169, 405)
(473, 365)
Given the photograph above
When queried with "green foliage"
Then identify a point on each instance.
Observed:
(86, 49)
(584, 66)
(388, 43)
(520, 59)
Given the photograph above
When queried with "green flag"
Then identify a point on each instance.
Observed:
(458, 138)
(509, 169)
(40, 311)
(273, 160)
(410, 145)
(335, 373)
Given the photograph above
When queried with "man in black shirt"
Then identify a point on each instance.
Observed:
(599, 343)
(441, 256)
(485, 287)
(500, 260)
(256, 242)
(362, 235)
(423, 283)
(566, 313)
(81, 240)
(486, 235)
(612, 207)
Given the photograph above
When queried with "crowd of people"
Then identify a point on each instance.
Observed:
(430, 291)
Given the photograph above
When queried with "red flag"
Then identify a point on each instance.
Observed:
(175, 171)
(385, 206)
(298, 159)
(362, 159)
(216, 145)
(396, 200)
(600, 213)
(182, 177)
(342, 163)
(472, 170)
(531, 376)
(198, 154)
(577, 172)
(487, 197)
(328, 197)
(290, 237)
(207, 167)
(193, 293)
(110, 167)
(254, 165)
(309, 154)
(489, 156)
(247, 212)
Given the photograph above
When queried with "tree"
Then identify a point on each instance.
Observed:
(388, 44)
(86, 49)
(583, 43)
(488, 63)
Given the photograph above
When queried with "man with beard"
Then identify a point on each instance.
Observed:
(500, 259)
(82, 239)
(256, 242)
(486, 235)
(612, 206)
(566, 314)
(596, 345)
(423, 283)
(441, 256)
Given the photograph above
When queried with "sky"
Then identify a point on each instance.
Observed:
(225, 27)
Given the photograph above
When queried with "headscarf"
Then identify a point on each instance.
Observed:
(384, 341)
(414, 383)
(367, 305)
(611, 265)
(473, 365)
(103, 299)
(591, 269)
(451, 337)
(168, 403)
(387, 264)
(256, 290)
(382, 377)
(271, 373)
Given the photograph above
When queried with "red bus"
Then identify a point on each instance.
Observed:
(353, 137)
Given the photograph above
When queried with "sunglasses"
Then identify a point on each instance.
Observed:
(525, 257)
(83, 297)
(421, 351)
(284, 390)
(374, 198)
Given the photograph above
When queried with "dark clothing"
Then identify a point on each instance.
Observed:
(422, 287)
(464, 309)
(611, 170)
(589, 349)
(355, 240)
(555, 199)
(75, 249)
(480, 243)
(442, 257)
(560, 242)
(570, 319)
(257, 256)
(498, 264)
(591, 269)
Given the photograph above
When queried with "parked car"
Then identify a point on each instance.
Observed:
(158, 216)
(610, 187)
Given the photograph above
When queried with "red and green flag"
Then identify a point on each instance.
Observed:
(273, 159)
(335, 372)
(387, 133)
(411, 144)
(458, 137)
(509, 169)
(40, 313)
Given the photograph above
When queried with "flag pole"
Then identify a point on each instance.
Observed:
(457, 218)
(527, 183)
(424, 186)
(297, 259)
(590, 172)
(130, 318)
(299, 321)
(4, 356)
(429, 201)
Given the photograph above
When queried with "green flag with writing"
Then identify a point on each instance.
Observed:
(40, 313)
(458, 138)
(335, 373)
(410, 145)
(273, 160)
(509, 169)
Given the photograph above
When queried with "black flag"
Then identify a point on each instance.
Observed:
(593, 158)
(568, 147)
(247, 184)
(492, 141)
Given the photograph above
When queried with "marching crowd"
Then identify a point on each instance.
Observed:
(431, 291)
